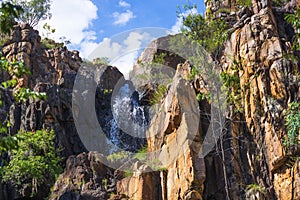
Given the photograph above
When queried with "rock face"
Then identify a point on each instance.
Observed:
(173, 139)
(157, 58)
(257, 49)
(52, 71)
(84, 178)
(143, 184)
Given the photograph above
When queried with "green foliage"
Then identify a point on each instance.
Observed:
(25, 93)
(211, 34)
(49, 30)
(16, 70)
(128, 173)
(194, 71)
(231, 86)
(51, 44)
(159, 94)
(34, 11)
(9, 12)
(104, 183)
(121, 155)
(203, 96)
(292, 118)
(34, 160)
(159, 58)
(254, 188)
(244, 3)
(101, 61)
(7, 143)
(141, 154)
(294, 20)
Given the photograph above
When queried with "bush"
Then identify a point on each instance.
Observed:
(255, 190)
(294, 20)
(292, 118)
(244, 3)
(141, 154)
(117, 156)
(34, 160)
(209, 33)
(51, 44)
(159, 94)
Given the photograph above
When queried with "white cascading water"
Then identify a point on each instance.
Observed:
(128, 118)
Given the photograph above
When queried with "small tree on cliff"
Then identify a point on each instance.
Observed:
(34, 11)
(9, 12)
(211, 33)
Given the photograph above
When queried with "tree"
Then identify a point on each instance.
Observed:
(34, 11)
(9, 12)
(209, 33)
(34, 161)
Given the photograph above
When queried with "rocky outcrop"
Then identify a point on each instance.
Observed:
(174, 138)
(159, 58)
(257, 50)
(53, 71)
(173, 144)
(85, 178)
(144, 183)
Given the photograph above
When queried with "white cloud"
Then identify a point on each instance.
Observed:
(125, 62)
(124, 4)
(176, 28)
(122, 53)
(123, 18)
(87, 47)
(135, 40)
(106, 48)
(72, 20)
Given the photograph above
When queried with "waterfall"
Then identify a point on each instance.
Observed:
(129, 123)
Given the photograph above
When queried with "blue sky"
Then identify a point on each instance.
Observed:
(89, 24)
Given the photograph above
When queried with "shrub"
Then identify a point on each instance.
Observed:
(292, 119)
(244, 3)
(294, 20)
(253, 189)
(141, 154)
(114, 157)
(51, 44)
(34, 160)
(159, 94)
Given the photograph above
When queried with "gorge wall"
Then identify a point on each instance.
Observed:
(249, 161)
